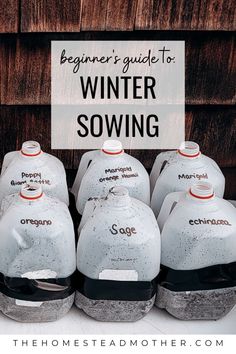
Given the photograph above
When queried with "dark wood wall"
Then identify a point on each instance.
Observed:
(207, 26)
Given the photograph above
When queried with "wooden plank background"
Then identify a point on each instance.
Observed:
(9, 16)
(185, 15)
(126, 15)
(94, 15)
(207, 26)
(50, 15)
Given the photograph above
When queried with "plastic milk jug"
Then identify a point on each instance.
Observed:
(32, 165)
(37, 256)
(117, 258)
(175, 171)
(198, 256)
(111, 166)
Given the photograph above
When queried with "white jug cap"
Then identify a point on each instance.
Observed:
(189, 149)
(31, 191)
(30, 148)
(202, 190)
(112, 147)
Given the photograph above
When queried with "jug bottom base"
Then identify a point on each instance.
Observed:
(30, 311)
(114, 310)
(196, 305)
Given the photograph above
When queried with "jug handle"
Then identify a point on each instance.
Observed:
(89, 209)
(233, 202)
(159, 164)
(7, 160)
(83, 166)
(168, 205)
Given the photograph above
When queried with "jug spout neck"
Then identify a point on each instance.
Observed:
(31, 192)
(201, 191)
(30, 149)
(189, 150)
(119, 197)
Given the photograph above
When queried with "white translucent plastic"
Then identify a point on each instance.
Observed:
(37, 234)
(101, 170)
(136, 245)
(32, 165)
(177, 170)
(196, 232)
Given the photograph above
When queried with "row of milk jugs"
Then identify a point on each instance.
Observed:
(123, 266)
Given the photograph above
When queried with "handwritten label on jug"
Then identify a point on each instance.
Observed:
(113, 174)
(31, 175)
(36, 222)
(128, 231)
(34, 177)
(197, 176)
(209, 222)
